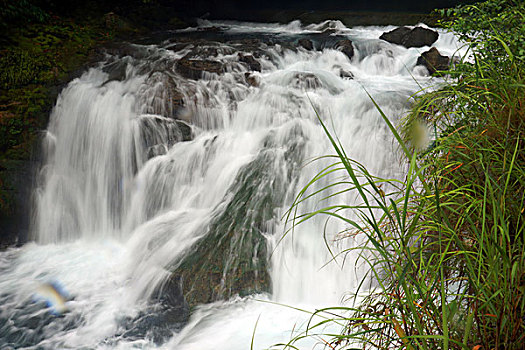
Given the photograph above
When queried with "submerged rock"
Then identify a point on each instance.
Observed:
(194, 68)
(346, 47)
(168, 312)
(158, 134)
(416, 37)
(169, 294)
(306, 81)
(176, 99)
(433, 61)
(116, 71)
(306, 44)
(185, 130)
(252, 63)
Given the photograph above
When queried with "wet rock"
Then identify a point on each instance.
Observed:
(204, 52)
(170, 295)
(306, 44)
(193, 68)
(396, 36)
(115, 71)
(169, 312)
(252, 79)
(119, 49)
(206, 49)
(255, 46)
(433, 61)
(232, 257)
(306, 81)
(252, 63)
(329, 27)
(345, 74)
(177, 46)
(416, 37)
(329, 31)
(212, 29)
(156, 150)
(346, 47)
(16, 186)
(168, 101)
(248, 42)
(177, 99)
(158, 133)
(186, 132)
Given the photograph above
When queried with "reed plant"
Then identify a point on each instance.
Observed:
(445, 247)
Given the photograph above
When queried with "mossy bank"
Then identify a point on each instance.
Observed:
(40, 52)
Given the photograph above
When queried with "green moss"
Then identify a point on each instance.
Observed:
(232, 258)
(20, 67)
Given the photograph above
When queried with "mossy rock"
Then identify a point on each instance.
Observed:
(214, 272)
(232, 258)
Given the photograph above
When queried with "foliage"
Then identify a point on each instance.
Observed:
(446, 246)
(20, 11)
(493, 28)
(19, 67)
(35, 59)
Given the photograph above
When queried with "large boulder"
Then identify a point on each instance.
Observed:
(433, 61)
(346, 47)
(232, 258)
(416, 37)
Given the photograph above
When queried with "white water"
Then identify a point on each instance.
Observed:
(110, 221)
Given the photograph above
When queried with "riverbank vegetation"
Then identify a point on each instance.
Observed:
(38, 52)
(446, 247)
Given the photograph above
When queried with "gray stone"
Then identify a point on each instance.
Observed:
(407, 37)
(433, 61)
(252, 63)
(251, 79)
(346, 47)
(306, 44)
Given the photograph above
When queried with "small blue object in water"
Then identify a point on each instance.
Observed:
(54, 295)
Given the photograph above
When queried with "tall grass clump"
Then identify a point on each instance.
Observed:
(446, 247)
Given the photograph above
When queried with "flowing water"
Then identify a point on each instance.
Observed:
(127, 192)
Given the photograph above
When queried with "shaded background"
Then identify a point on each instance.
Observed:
(236, 9)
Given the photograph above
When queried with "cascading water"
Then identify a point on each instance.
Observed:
(169, 148)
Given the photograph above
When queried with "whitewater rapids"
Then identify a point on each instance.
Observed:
(123, 193)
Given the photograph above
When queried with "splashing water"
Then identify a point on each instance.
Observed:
(143, 158)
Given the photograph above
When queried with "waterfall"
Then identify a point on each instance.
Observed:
(164, 154)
